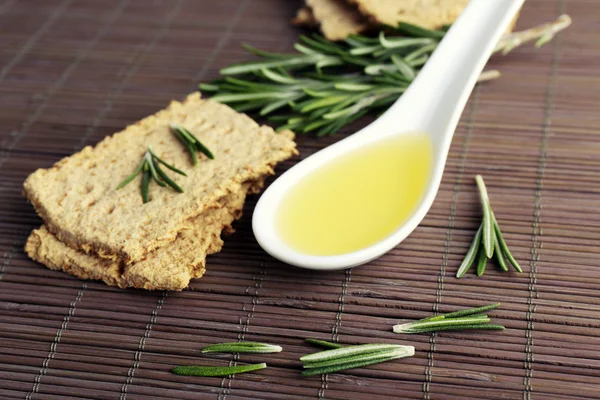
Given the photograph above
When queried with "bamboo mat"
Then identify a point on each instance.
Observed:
(73, 71)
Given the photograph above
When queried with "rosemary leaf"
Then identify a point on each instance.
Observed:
(404, 351)
(499, 255)
(207, 87)
(481, 261)
(279, 78)
(431, 326)
(242, 347)
(160, 160)
(323, 343)
(343, 367)
(488, 228)
(265, 54)
(167, 180)
(251, 66)
(276, 105)
(494, 327)
(191, 142)
(187, 145)
(471, 254)
(396, 42)
(403, 67)
(347, 351)
(504, 247)
(145, 183)
(152, 169)
(417, 31)
(132, 176)
(203, 149)
(471, 311)
(196, 370)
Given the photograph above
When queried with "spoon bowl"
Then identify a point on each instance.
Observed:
(432, 104)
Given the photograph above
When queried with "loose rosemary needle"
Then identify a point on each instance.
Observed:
(348, 357)
(323, 343)
(199, 370)
(472, 318)
(242, 347)
(150, 168)
(488, 241)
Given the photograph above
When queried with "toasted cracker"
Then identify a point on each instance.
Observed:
(77, 197)
(168, 268)
(337, 18)
(431, 14)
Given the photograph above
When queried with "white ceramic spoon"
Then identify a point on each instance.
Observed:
(432, 104)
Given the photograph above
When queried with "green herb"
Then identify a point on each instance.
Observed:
(488, 241)
(323, 343)
(242, 347)
(472, 318)
(191, 143)
(150, 168)
(348, 357)
(198, 370)
(364, 75)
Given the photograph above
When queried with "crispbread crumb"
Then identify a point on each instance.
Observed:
(305, 17)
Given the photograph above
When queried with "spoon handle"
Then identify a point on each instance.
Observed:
(437, 97)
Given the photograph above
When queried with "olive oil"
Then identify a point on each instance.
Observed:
(358, 200)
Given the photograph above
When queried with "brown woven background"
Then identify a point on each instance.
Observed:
(73, 71)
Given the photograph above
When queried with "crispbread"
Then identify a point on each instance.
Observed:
(340, 18)
(77, 197)
(168, 268)
(337, 18)
(431, 14)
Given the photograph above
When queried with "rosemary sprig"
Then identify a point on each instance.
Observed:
(542, 34)
(198, 370)
(150, 168)
(472, 318)
(191, 143)
(242, 347)
(488, 241)
(326, 86)
(347, 357)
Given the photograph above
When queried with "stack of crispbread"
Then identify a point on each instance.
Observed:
(340, 18)
(96, 232)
